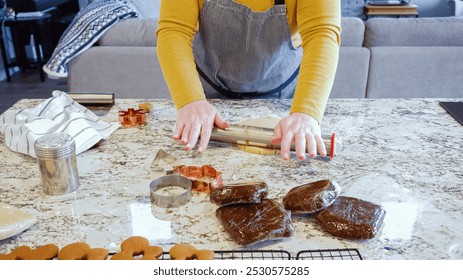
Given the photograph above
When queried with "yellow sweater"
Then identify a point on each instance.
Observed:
(317, 21)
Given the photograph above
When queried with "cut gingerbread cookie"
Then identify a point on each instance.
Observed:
(185, 251)
(82, 251)
(137, 248)
(45, 252)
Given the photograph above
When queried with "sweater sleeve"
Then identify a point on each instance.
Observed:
(176, 29)
(319, 24)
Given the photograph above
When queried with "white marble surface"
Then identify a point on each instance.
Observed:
(403, 154)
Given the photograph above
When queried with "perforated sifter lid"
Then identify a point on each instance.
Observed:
(54, 146)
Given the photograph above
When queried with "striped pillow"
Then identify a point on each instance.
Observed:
(86, 28)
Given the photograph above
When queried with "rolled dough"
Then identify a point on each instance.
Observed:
(265, 122)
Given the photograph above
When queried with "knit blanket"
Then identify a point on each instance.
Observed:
(90, 23)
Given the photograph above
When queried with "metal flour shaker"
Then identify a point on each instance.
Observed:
(56, 156)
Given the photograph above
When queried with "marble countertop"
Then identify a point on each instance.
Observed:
(404, 154)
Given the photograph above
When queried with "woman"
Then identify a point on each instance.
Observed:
(250, 49)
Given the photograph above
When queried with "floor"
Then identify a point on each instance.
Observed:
(27, 85)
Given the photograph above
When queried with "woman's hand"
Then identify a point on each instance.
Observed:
(303, 131)
(195, 119)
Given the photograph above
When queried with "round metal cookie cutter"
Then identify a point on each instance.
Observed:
(170, 200)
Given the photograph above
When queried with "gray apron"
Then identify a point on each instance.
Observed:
(240, 53)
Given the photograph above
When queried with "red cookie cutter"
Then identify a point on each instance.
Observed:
(203, 178)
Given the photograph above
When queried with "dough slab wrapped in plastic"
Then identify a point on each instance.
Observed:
(352, 218)
(246, 192)
(249, 223)
(311, 197)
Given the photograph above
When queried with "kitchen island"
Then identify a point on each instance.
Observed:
(404, 154)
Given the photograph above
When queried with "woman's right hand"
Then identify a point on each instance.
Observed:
(194, 120)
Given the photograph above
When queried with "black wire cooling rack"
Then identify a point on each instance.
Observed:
(245, 255)
(253, 255)
(324, 254)
(329, 254)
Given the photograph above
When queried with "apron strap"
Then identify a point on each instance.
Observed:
(242, 95)
(279, 2)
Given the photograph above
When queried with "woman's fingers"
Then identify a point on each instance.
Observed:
(196, 120)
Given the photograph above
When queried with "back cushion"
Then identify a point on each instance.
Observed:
(353, 31)
(131, 32)
(147, 8)
(437, 31)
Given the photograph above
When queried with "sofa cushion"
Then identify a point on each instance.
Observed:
(131, 32)
(352, 73)
(141, 32)
(409, 72)
(129, 72)
(353, 31)
(147, 8)
(438, 31)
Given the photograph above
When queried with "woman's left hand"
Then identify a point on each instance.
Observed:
(301, 130)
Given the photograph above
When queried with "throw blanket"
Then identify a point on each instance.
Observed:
(87, 27)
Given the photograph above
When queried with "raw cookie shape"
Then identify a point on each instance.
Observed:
(185, 251)
(352, 218)
(137, 248)
(14, 221)
(45, 252)
(250, 223)
(82, 251)
(311, 197)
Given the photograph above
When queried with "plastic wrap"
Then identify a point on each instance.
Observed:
(249, 223)
(311, 197)
(352, 218)
(246, 192)
(203, 178)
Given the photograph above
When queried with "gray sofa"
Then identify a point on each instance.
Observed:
(415, 57)
(379, 58)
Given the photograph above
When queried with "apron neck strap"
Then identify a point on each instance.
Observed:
(279, 2)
